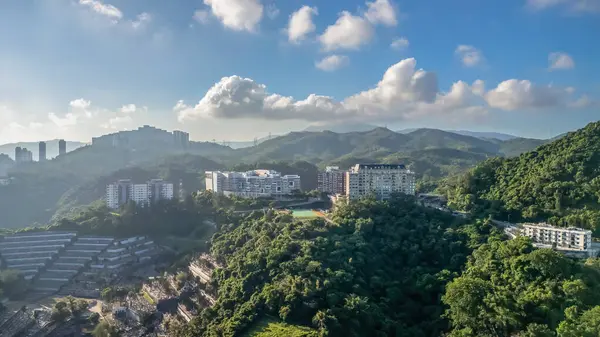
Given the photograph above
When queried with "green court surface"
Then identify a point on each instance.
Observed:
(304, 213)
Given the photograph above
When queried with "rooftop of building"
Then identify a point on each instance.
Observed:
(260, 173)
(379, 167)
(544, 225)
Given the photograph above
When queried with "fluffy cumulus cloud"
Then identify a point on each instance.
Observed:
(301, 23)
(80, 103)
(469, 55)
(348, 32)
(381, 12)
(332, 62)
(240, 15)
(128, 108)
(404, 92)
(353, 31)
(560, 61)
(576, 6)
(400, 43)
(522, 94)
(237, 97)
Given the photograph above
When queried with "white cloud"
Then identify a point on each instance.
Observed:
(202, 16)
(348, 32)
(522, 94)
(381, 11)
(272, 11)
(141, 21)
(301, 23)
(560, 61)
(80, 103)
(128, 108)
(401, 84)
(101, 8)
(469, 55)
(577, 6)
(399, 94)
(240, 15)
(180, 105)
(332, 62)
(400, 43)
(404, 92)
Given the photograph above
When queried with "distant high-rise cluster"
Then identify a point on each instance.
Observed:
(22, 155)
(252, 184)
(123, 191)
(62, 147)
(364, 179)
(144, 137)
(42, 152)
(181, 138)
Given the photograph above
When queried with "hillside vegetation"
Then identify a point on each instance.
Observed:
(380, 272)
(44, 191)
(376, 144)
(559, 181)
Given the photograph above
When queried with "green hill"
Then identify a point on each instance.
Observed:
(559, 182)
(42, 190)
(328, 147)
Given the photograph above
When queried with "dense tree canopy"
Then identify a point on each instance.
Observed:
(379, 270)
(510, 289)
(559, 181)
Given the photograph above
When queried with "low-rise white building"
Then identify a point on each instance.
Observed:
(381, 179)
(252, 184)
(123, 191)
(571, 238)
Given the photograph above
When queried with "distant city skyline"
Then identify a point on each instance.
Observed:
(77, 69)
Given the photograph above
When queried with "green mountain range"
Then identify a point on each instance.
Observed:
(376, 144)
(41, 191)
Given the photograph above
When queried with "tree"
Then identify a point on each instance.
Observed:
(12, 284)
(509, 288)
(586, 325)
(103, 329)
(60, 312)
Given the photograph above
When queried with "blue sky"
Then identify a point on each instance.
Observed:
(236, 69)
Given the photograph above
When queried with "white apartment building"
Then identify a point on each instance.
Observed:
(252, 184)
(381, 179)
(123, 191)
(562, 238)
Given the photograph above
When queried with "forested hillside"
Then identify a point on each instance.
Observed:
(379, 272)
(376, 145)
(511, 289)
(559, 181)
